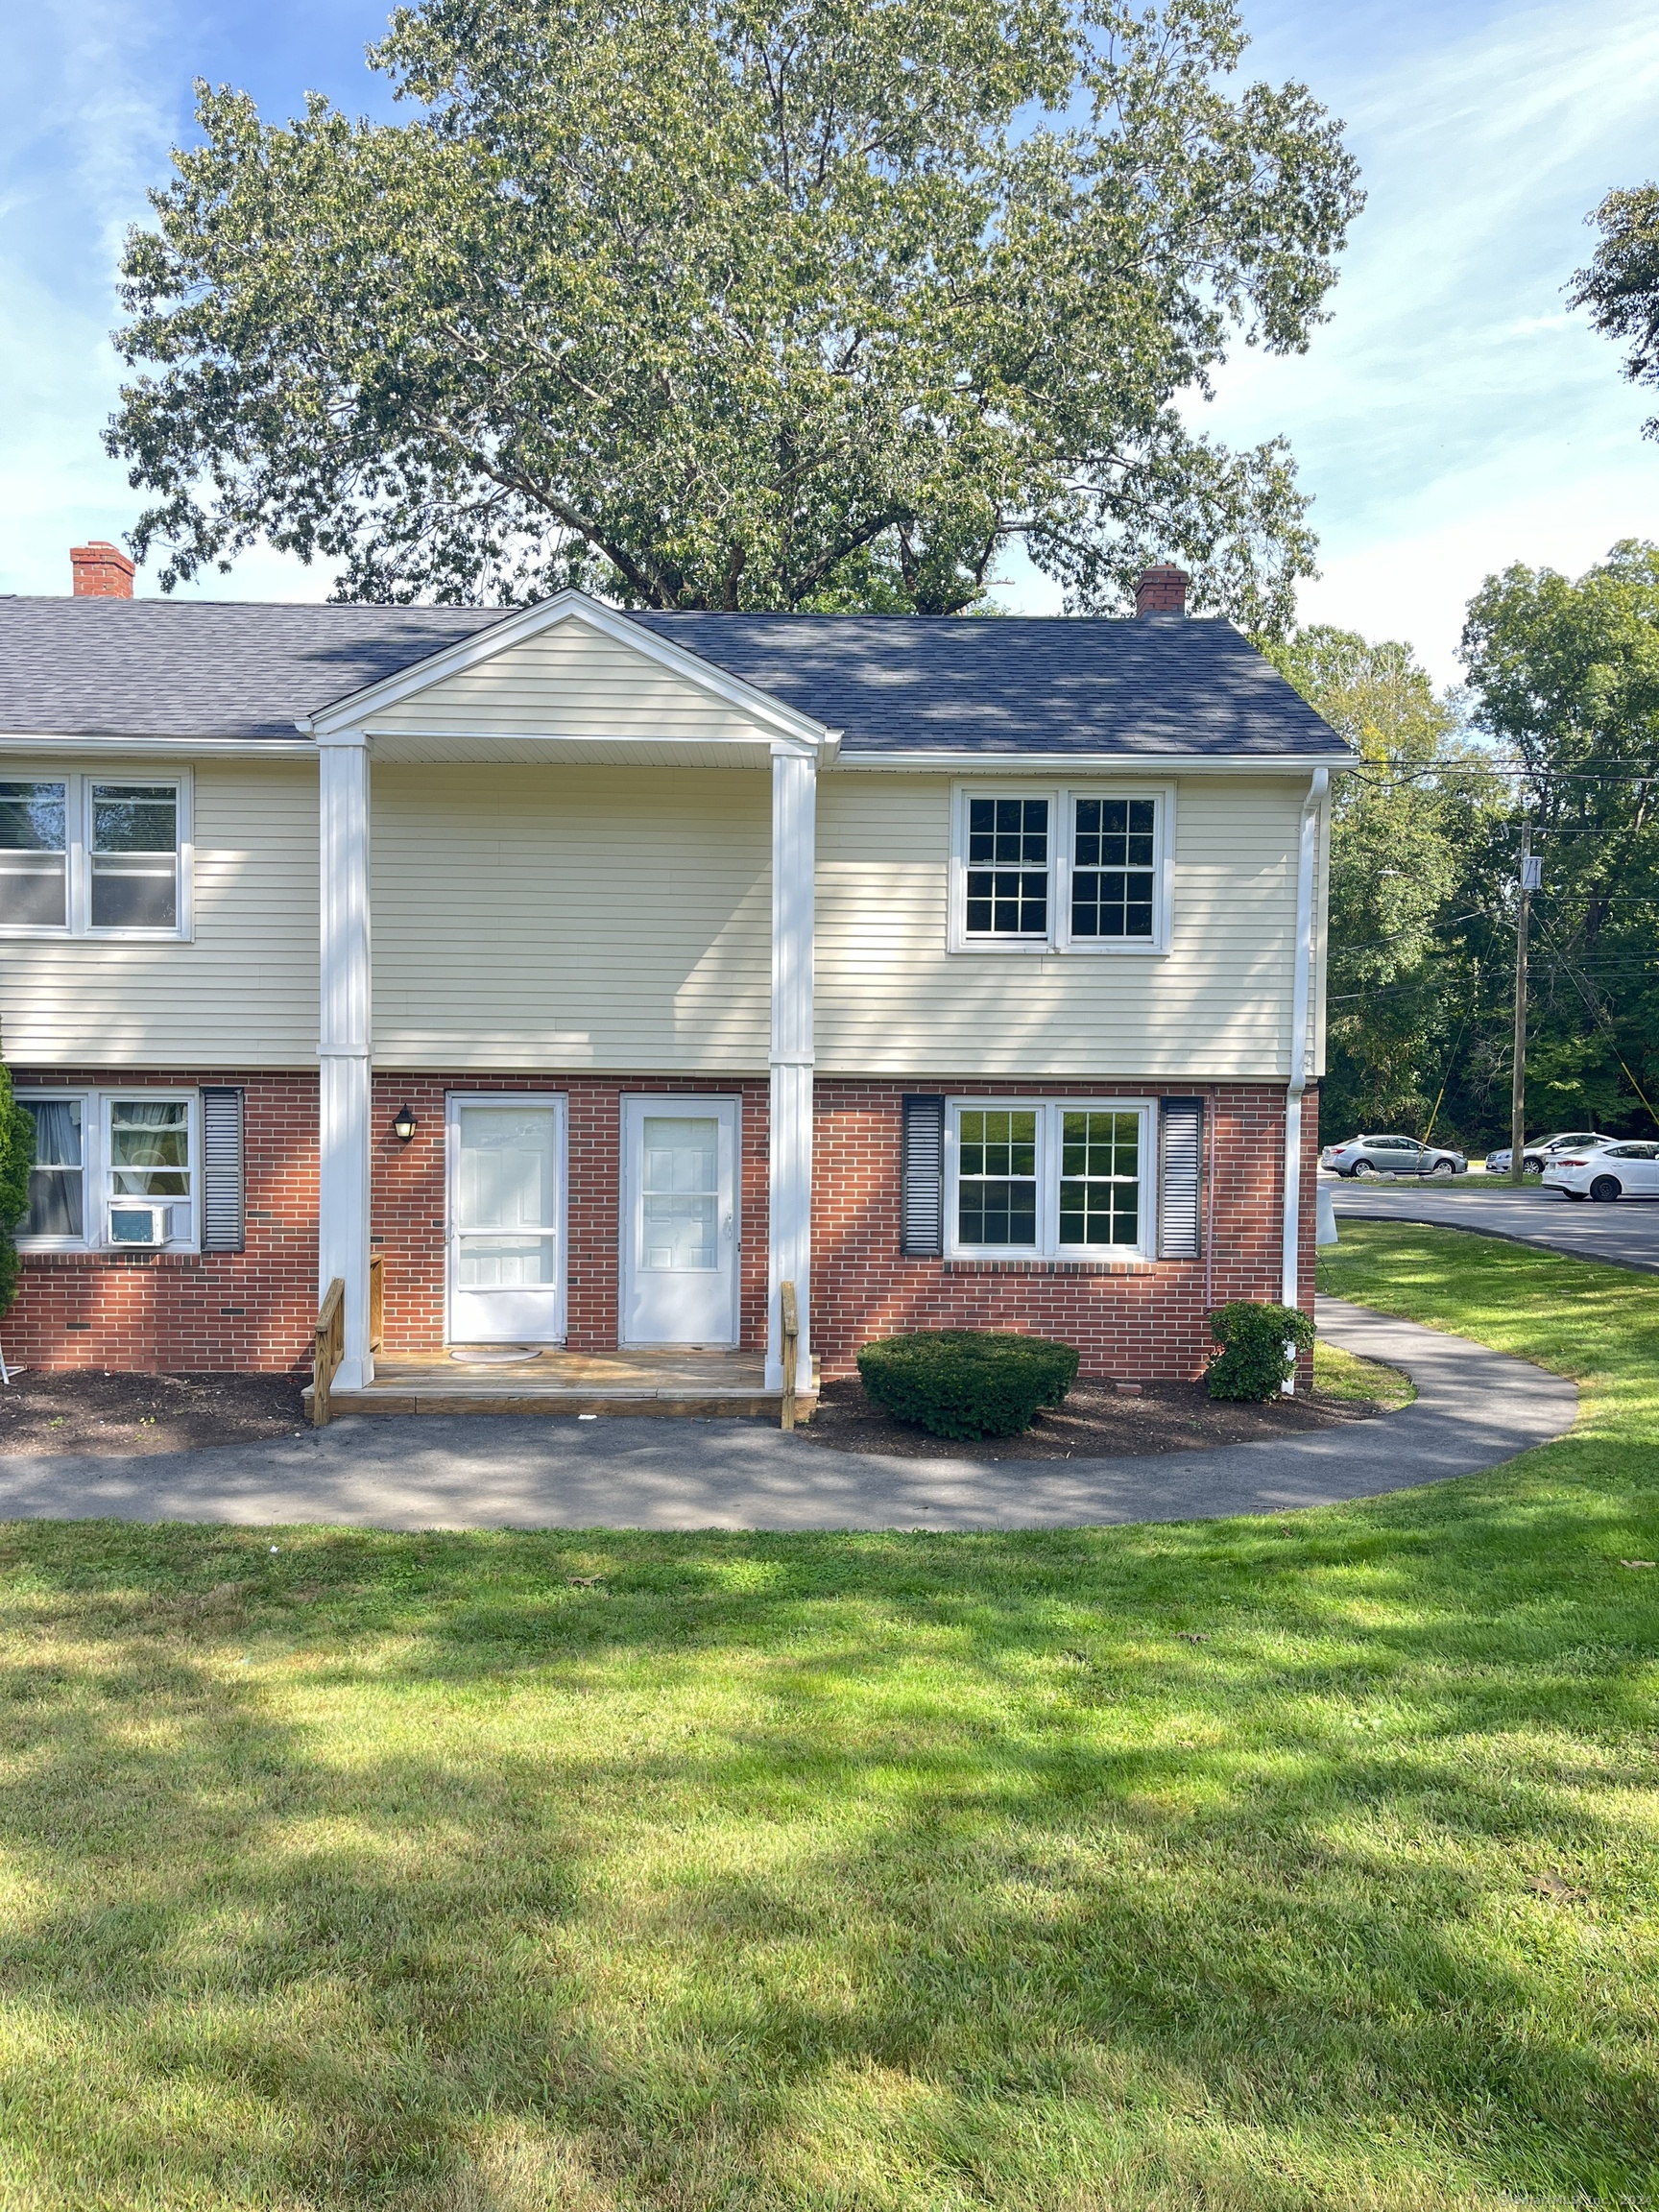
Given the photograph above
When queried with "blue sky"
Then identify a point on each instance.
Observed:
(1451, 417)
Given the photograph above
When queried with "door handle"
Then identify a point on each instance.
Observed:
(727, 1230)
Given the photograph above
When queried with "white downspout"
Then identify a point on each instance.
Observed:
(1301, 997)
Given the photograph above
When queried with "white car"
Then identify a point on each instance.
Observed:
(1543, 1149)
(1608, 1171)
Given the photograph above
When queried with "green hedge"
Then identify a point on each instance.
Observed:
(967, 1383)
(1253, 1363)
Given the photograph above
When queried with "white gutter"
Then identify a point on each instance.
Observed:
(1301, 997)
(153, 747)
(967, 763)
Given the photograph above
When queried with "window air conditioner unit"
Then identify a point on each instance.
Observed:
(136, 1226)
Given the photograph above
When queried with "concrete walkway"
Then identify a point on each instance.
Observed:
(1626, 1234)
(1475, 1408)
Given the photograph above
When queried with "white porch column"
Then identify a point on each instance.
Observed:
(794, 860)
(344, 1069)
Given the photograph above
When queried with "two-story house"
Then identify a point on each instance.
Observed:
(601, 971)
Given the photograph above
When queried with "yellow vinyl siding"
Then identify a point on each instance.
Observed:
(242, 994)
(554, 917)
(570, 681)
(892, 1000)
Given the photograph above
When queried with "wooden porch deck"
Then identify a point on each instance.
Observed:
(655, 1380)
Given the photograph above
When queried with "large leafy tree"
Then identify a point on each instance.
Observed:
(1410, 830)
(1621, 286)
(740, 303)
(1565, 675)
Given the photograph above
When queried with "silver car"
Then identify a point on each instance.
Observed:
(1543, 1149)
(1365, 1156)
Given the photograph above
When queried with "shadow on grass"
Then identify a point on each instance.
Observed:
(860, 1870)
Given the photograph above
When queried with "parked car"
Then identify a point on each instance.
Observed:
(1543, 1149)
(1364, 1156)
(1606, 1171)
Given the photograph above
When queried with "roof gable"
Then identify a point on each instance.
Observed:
(569, 669)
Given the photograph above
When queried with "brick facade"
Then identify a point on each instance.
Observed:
(1136, 1323)
(188, 1313)
(253, 1311)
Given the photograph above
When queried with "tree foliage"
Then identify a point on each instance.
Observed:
(1621, 286)
(1559, 726)
(1565, 675)
(1409, 827)
(739, 303)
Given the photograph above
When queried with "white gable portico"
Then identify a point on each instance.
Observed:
(564, 685)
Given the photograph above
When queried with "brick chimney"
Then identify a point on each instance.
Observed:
(101, 570)
(1162, 590)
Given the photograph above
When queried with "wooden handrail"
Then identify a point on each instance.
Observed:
(790, 1315)
(376, 1300)
(329, 1349)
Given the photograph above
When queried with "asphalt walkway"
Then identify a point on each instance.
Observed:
(1627, 1233)
(1474, 1408)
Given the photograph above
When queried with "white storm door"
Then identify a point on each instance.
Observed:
(506, 1227)
(679, 1233)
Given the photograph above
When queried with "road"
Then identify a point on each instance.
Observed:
(1625, 1233)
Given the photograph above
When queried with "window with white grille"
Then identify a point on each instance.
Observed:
(1072, 869)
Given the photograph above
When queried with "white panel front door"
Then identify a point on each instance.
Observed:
(506, 1221)
(680, 1231)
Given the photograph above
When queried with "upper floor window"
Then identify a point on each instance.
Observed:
(35, 854)
(90, 855)
(1067, 871)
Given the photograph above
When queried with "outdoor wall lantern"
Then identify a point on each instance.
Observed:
(403, 1128)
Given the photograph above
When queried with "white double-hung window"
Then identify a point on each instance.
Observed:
(1049, 1179)
(1074, 870)
(95, 856)
(113, 1170)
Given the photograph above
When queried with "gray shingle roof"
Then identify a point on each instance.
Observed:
(203, 667)
(898, 682)
(210, 668)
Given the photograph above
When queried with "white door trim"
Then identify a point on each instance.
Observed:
(670, 1102)
(454, 1102)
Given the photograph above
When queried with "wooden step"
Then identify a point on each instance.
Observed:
(696, 1405)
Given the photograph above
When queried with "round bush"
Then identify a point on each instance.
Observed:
(967, 1383)
(1259, 1348)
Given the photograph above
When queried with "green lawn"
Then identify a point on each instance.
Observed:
(1280, 1863)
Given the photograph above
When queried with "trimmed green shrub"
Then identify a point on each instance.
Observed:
(1254, 1361)
(17, 1157)
(967, 1383)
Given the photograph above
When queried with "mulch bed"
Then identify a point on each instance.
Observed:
(90, 1411)
(1095, 1423)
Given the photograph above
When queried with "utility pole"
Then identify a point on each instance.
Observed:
(1531, 880)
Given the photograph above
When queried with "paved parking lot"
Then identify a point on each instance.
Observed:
(1627, 1233)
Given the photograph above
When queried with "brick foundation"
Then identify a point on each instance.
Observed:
(254, 1312)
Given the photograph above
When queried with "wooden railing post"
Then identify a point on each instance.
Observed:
(791, 1319)
(328, 1351)
(376, 1300)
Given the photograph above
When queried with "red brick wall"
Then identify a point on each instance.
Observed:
(180, 1313)
(254, 1311)
(1138, 1325)
(408, 1184)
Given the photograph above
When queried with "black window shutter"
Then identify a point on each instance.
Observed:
(222, 1201)
(1181, 1176)
(922, 1182)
